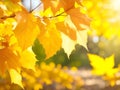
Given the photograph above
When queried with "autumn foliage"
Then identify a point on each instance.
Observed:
(58, 25)
(55, 24)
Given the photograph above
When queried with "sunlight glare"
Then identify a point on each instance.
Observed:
(116, 4)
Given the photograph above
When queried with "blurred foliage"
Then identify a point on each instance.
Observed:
(77, 58)
(103, 41)
(104, 67)
(105, 47)
(105, 17)
(46, 77)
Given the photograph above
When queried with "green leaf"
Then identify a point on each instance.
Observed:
(38, 50)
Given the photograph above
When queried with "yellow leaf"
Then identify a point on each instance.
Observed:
(74, 21)
(76, 5)
(11, 6)
(67, 44)
(82, 38)
(110, 62)
(15, 77)
(9, 56)
(28, 60)
(50, 38)
(76, 16)
(60, 11)
(102, 66)
(47, 13)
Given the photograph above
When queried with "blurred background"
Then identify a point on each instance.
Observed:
(103, 40)
(103, 36)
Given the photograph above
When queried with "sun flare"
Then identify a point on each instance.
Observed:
(116, 4)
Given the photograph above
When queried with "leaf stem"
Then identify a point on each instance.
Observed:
(35, 7)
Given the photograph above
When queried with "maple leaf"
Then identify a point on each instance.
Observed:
(102, 66)
(16, 77)
(12, 58)
(81, 40)
(78, 18)
(28, 60)
(26, 26)
(38, 50)
(67, 44)
(49, 37)
(67, 27)
(7, 53)
(55, 5)
(11, 7)
(74, 19)
(17, 36)
(8, 59)
(72, 23)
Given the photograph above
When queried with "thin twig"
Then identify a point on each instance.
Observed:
(61, 14)
(35, 7)
(30, 5)
(5, 17)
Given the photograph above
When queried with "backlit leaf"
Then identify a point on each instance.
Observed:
(28, 60)
(67, 44)
(8, 59)
(67, 27)
(50, 38)
(102, 66)
(11, 6)
(26, 26)
(38, 50)
(82, 38)
(78, 18)
(16, 77)
(57, 4)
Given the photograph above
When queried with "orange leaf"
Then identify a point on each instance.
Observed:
(78, 18)
(26, 30)
(1, 13)
(8, 59)
(68, 4)
(55, 5)
(67, 27)
(15, 1)
(50, 38)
